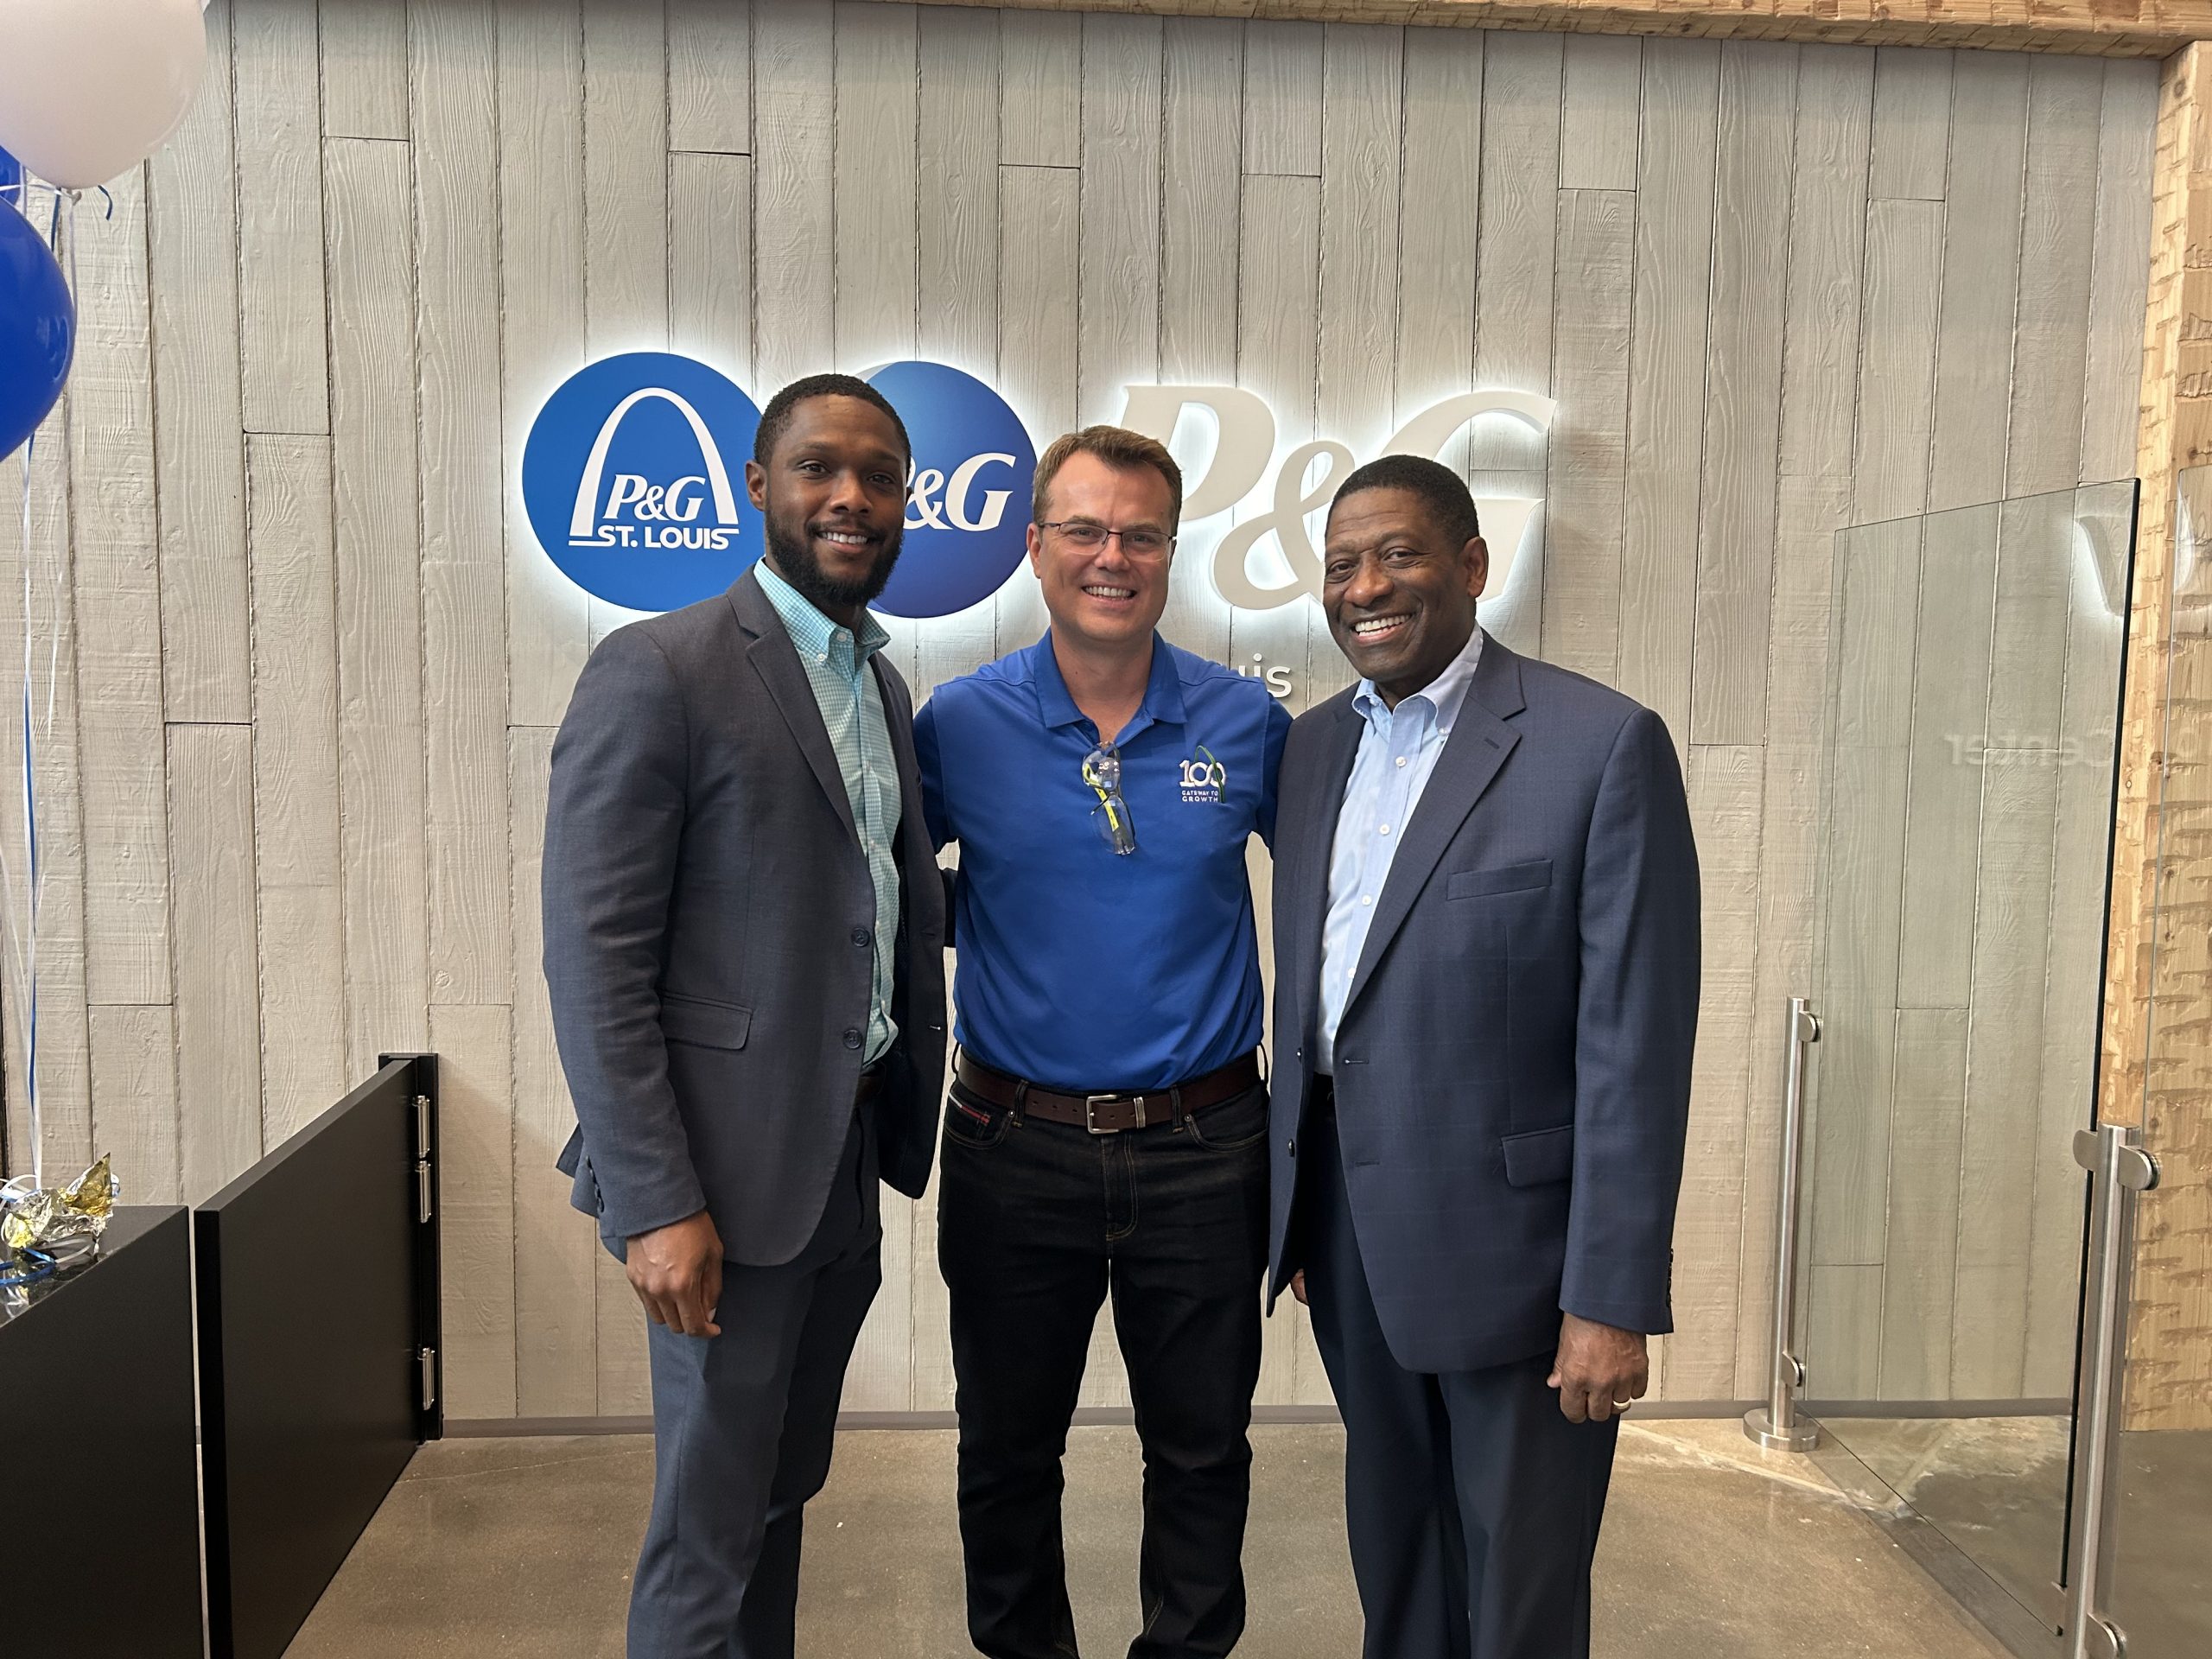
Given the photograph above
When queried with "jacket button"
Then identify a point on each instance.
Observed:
(852, 1037)
(860, 937)
(1291, 1147)
(1301, 1054)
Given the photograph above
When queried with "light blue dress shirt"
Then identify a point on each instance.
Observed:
(1396, 754)
(852, 708)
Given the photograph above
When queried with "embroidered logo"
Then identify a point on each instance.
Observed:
(1204, 778)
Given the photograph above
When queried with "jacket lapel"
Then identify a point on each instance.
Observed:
(1481, 739)
(775, 659)
(1320, 801)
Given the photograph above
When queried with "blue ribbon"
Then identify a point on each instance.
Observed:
(41, 1267)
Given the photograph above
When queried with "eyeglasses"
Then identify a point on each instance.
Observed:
(1102, 770)
(1088, 537)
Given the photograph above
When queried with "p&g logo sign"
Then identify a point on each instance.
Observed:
(634, 479)
(967, 496)
(633, 476)
(1244, 443)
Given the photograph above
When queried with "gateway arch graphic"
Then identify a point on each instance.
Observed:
(586, 511)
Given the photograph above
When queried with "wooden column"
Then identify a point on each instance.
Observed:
(2157, 1065)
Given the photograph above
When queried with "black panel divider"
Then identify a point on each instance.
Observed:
(98, 1449)
(428, 1257)
(319, 1331)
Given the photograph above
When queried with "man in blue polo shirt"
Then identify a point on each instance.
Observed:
(1107, 1120)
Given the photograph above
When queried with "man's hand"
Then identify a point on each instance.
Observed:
(677, 1271)
(1600, 1368)
(1298, 1286)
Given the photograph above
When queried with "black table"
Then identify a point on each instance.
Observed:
(97, 1460)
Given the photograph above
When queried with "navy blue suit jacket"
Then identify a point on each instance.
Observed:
(1512, 1069)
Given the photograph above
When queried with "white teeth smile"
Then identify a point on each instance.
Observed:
(1111, 593)
(1371, 626)
(844, 538)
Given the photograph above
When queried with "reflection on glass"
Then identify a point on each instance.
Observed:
(1975, 670)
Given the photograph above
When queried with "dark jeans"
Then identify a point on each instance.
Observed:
(1038, 1221)
(1472, 1504)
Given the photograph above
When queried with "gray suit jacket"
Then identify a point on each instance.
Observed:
(1513, 1065)
(707, 915)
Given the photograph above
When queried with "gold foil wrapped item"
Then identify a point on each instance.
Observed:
(43, 1218)
(28, 1222)
(92, 1195)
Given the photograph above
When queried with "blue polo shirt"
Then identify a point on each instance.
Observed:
(1081, 968)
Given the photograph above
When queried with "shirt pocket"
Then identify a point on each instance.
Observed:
(1531, 877)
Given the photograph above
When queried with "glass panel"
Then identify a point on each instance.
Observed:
(1974, 681)
(2159, 1572)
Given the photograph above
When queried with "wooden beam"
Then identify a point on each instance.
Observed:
(2157, 1064)
(2123, 28)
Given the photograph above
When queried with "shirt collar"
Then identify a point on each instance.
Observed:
(1163, 690)
(813, 634)
(1443, 694)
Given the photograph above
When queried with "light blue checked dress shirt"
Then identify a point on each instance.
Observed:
(852, 707)
(1396, 754)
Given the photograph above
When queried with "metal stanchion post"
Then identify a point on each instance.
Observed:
(2120, 1169)
(1776, 1425)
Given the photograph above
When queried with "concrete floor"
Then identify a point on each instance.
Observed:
(1996, 1487)
(1993, 1486)
(523, 1547)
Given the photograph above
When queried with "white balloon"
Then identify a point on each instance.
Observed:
(90, 88)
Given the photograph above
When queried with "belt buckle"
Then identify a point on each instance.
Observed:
(1091, 1103)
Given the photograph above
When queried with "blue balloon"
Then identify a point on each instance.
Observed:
(11, 178)
(38, 330)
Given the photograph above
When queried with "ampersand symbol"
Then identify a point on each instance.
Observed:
(1286, 522)
(925, 487)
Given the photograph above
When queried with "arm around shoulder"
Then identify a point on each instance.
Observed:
(929, 762)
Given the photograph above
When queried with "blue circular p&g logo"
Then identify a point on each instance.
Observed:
(633, 476)
(968, 501)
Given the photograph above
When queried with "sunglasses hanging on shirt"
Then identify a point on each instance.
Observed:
(1102, 770)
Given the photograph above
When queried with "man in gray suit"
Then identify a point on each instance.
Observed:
(1486, 987)
(744, 937)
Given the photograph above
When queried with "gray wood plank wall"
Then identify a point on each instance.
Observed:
(311, 659)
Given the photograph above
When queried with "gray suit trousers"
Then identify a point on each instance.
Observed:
(743, 1430)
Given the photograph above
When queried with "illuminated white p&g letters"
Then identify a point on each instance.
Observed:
(1244, 442)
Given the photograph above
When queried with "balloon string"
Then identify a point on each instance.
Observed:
(30, 843)
(54, 638)
(33, 727)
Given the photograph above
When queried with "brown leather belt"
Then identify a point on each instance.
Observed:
(1113, 1112)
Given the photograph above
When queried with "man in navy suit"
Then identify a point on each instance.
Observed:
(1486, 988)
